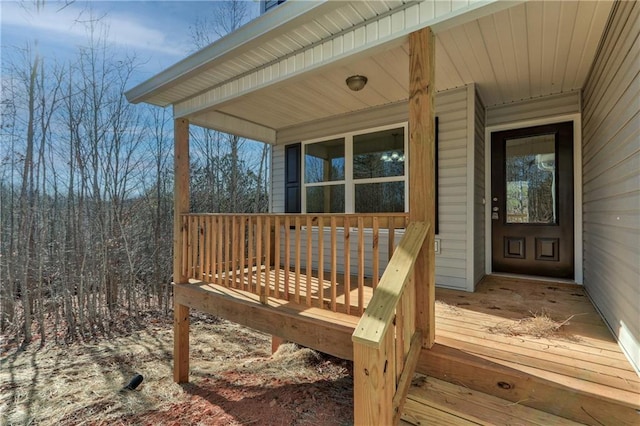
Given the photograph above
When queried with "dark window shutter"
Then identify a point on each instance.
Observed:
(292, 178)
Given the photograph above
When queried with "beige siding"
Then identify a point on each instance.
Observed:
(546, 107)
(451, 108)
(451, 263)
(611, 176)
(479, 192)
(277, 179)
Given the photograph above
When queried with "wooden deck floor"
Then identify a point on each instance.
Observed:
(308, 289)
(578, 372)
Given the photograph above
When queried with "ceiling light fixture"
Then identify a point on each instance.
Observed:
(356, 82)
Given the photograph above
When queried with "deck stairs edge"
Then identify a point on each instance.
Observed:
(434, 401)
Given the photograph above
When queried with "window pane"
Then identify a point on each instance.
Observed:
(379, 154)
(531, 179)
(324, 161)
(380, 197)
(325, 199)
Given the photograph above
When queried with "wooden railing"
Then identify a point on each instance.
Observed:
(328, 261)
(386, 342)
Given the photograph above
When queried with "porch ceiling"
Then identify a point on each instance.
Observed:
(525, 51)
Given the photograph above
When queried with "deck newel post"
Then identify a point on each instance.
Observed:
(422, 173)
(180, 206)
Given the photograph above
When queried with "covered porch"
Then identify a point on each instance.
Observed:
(358, 285)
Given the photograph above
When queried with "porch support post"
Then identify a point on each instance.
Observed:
(180, 205)
(422, 172)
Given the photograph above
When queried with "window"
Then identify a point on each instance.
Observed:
(265, 5)
(358, 172)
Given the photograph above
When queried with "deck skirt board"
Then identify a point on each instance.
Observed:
(325, 331)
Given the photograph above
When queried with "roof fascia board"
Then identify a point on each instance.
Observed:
(236, 126)
(269, 25)
(475, 10)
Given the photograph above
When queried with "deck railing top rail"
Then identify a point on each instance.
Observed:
(379, 314)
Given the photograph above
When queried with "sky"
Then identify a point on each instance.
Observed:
(158, 32)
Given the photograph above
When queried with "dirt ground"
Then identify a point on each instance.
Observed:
(234, 381)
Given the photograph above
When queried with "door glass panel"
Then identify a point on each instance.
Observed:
(530, 165)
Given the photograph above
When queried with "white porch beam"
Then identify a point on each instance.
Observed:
(234, 125)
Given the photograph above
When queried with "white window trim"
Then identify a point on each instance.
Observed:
(348, 182)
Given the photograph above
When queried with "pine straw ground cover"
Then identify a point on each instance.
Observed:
(234, 381)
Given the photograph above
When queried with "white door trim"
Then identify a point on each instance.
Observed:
(577, 183)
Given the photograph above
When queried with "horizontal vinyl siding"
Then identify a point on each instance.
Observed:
(451, 263)
(548, 106)
(611, 172)
(451, 109)
(277, 179)
(479, 192)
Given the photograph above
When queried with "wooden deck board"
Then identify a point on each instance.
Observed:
(318, 288)
(431, 398)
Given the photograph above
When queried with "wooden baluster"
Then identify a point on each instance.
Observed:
(334, 261)
(220, 251)
(399, 333)
(250, 254)
(267, 257)
(347, 267)
(201, 251)
(243, 252)
(233, 246)
(376, 252)
(297, 259)
(287, 254)
(360, 265)
(185, 246)
(276, 257)
(392, 237)
(204, 249)
(259, 234)
(214, 248)
(218, 246)
(309, 225)
(321, 262)
(227, 245)
(192, 237)
(241, 256)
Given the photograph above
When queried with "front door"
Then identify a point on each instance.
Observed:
(532, 200)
